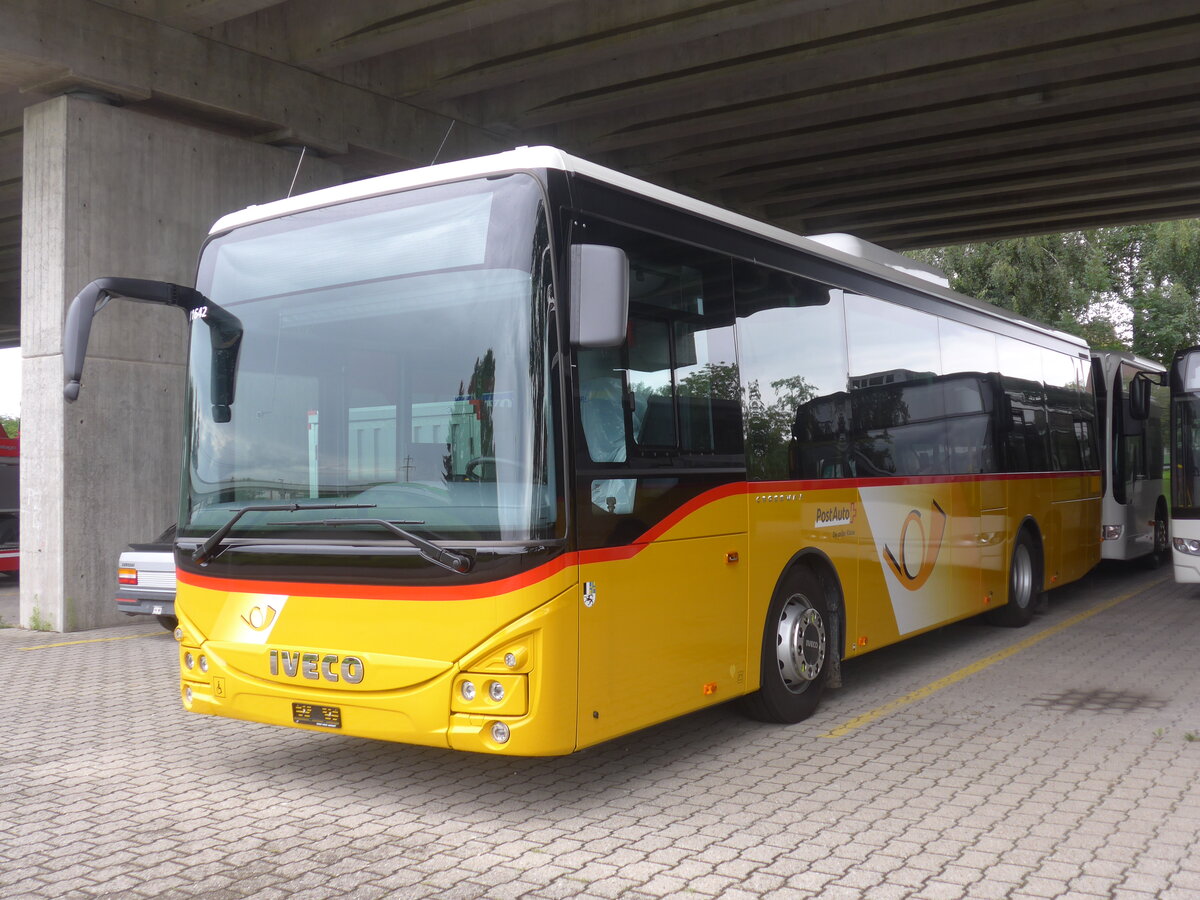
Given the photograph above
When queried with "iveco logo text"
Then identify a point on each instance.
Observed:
(833, 516)
(314, 666)
(776, 498)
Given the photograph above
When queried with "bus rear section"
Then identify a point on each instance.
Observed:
(1184, 379)
(1135, 514)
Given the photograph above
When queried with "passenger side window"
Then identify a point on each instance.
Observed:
(792, 350)
(897, 394)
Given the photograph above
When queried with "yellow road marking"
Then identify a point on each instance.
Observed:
(127, 637)
(979, 665)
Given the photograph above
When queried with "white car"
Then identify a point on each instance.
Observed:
(146, 580)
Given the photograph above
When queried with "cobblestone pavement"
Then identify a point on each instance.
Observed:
(1064, 768)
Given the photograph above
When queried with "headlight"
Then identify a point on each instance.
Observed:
(203, 663)
(496, 691)
(1185, 545)
(188, 661)
(500, 733)
(467, 689)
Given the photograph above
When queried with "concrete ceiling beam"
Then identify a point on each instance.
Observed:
(137, 58)
(1031, 194)
(944, 138)
(196, 15)
(322, 36)
(572, 37)
(1128, 201)
(919, 177)
(636, 87)
(1023, 85)
(1011, 226)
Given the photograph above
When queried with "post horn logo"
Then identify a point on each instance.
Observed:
(932, 542)
(259, 618)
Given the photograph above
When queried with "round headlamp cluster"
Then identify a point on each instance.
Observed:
(1187, 545)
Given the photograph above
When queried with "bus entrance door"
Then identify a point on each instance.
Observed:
(662, 627)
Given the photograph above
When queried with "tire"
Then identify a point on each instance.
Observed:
(1162, 541)
(796, 651)
(1024, 573)
(168, 622)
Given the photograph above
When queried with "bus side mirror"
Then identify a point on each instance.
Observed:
(225, 331)
(1139, 397)
(599, 295)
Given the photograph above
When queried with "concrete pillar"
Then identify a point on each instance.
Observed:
(113, 192)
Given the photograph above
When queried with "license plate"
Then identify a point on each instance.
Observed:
(313, 714)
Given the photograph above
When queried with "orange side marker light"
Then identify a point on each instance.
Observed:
(709, 689)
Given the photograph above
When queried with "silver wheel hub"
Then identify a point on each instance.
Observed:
(800, 644)
(1022, 577)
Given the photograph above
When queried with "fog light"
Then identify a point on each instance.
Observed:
(203, 663)
(496, 691)
(499, 732)
(467, 689)
(1111, 532)
(1184, 545)
(510, 660)
(179, 634)
(188, 662)
(187, 695)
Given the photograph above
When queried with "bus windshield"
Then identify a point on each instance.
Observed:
(394, 357)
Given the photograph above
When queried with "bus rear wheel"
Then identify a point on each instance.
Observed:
(1162, 541)
(796, 652)
(1023, 590)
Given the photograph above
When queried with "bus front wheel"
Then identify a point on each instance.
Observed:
(796, 651)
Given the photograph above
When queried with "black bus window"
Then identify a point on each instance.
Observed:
(792, 352)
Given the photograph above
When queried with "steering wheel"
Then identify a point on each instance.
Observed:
(483, 468)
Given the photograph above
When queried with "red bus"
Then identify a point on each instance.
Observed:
(10, 502)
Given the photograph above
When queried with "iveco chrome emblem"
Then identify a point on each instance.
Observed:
(315, 666)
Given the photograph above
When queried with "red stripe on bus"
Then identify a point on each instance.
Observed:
(383, 592)
(599, 555)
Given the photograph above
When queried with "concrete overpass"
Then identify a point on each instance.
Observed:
(126, 126)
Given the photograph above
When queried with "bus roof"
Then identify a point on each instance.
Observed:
(854, 253)
(1114, 356)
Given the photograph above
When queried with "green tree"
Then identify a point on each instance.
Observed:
(1133, 287)
(10, 426)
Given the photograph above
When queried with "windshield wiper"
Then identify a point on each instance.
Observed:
(447, 559)
(208, 549)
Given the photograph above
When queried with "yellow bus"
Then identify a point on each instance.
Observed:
(519, 454)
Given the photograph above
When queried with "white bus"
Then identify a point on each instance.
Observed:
(1134, 515)
(1185, 464)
